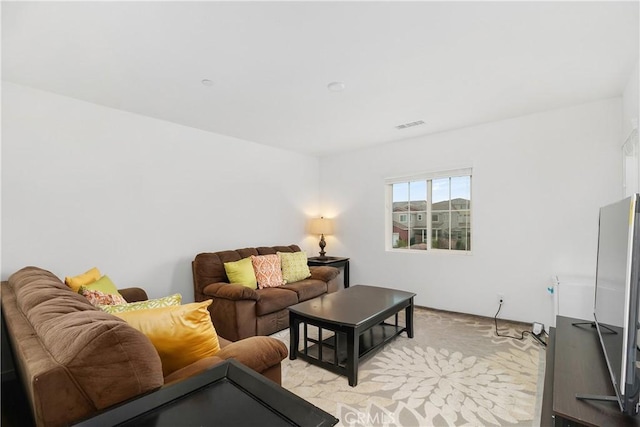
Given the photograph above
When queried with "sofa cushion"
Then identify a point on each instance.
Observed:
(307, 289)
(268, 271)
(181, 334)
(270, 250)
(274, 299)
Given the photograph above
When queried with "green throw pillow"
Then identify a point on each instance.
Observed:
(241, 272)
(175, 299)
(294, 266)
(103, 284)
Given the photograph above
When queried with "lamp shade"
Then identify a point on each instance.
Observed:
(321, 226)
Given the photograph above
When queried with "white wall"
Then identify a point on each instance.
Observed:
(629, 140)
(630, 102)
(538, 182)
(84, 185)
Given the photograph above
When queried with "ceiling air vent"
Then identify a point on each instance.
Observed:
(410, 124)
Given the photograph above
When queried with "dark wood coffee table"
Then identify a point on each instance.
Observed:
(357, 317)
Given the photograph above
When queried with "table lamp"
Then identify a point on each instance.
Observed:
(321, 226)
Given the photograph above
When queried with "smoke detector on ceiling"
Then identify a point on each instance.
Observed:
(336, 86)
(410, 124)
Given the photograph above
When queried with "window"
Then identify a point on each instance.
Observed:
(443, 197)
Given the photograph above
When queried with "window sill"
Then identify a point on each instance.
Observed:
(445, 252)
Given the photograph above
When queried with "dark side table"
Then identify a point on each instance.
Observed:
(332, 261)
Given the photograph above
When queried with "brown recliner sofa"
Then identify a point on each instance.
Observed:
(239, 312)
(75, 360)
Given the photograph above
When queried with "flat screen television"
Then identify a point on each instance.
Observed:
(616, 297)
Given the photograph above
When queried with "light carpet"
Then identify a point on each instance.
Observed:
(454, 372)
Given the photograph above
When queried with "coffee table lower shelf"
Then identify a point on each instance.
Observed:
(370, 340)
(325, 353)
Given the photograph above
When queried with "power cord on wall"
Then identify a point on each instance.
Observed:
(521, 337)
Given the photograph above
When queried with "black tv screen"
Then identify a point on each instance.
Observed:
(616, 296)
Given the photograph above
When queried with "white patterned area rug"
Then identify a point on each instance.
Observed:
(454, 372)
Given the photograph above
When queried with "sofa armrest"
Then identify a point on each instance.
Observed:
(192, 369)
(230, 291)
(258, 353)
(134, 294)
(324, 273)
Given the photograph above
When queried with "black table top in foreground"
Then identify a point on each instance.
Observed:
(357, 317)
(229, 394)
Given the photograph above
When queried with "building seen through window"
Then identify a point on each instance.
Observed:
(446, 201)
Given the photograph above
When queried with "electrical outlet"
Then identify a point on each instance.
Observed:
(500, 299)
(537, 328)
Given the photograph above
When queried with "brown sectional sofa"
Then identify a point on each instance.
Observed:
(239, 312)
(75, 360)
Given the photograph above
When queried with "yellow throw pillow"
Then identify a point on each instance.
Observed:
(104, 285)
(241, 272)
(294, 266)
(181, 334)
(83, 279)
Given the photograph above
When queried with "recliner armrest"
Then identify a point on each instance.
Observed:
(258, 353)
(134, 294)
(192, 369)
(324, 273)
(230, 291)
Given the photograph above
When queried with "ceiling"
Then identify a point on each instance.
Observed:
(449, 64)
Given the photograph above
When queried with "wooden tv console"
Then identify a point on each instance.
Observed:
(575, 365)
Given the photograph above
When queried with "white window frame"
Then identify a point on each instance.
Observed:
(426, 176)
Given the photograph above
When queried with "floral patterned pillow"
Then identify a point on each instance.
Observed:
(98, 298)
(267, 269)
